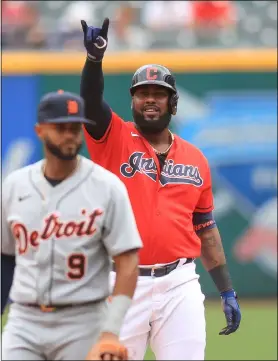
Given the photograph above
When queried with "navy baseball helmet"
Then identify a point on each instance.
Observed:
(157, 75)
(62, 107)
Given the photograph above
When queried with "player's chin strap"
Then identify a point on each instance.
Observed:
(117, 308)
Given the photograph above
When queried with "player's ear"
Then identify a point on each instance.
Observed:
(38, 130)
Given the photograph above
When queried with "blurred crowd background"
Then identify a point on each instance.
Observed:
(141, 25)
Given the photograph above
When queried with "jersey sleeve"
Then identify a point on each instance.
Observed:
(104, 150)
(205, 203)
(120, 230)
(6, 237)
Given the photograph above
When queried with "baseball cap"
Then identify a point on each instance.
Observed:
(62, 107)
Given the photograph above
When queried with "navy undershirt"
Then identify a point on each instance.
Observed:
(53, 182)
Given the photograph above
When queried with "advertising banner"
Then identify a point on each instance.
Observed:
(20, 145)
(238, 135)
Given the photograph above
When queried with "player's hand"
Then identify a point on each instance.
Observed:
(232, 312)
(95, 39)
(108, 348)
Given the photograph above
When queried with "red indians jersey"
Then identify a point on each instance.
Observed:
(163, 200)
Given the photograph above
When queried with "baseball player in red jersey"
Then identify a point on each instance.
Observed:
(169, 185)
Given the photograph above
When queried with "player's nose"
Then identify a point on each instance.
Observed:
(150, 99)
(69, 138)
(69, 134)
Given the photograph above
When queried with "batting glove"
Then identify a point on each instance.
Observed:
(231, 310)
(108, 348)
(95, 40)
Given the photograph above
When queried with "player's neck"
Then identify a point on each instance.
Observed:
(161, 145)
(160, 138)
(55, 168)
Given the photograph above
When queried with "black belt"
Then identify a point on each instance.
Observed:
(53, 308)
(159, 271)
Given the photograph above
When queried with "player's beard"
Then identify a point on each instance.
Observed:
(149, 126)
(55, 150)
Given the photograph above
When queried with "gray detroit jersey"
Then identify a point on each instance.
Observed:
(64, 236)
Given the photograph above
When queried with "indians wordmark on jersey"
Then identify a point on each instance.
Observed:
(171, 172)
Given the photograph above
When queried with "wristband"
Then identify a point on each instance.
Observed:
(117, 309)
(229, 293)
(92, 58)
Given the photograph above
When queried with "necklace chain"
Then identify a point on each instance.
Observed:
(167, 150)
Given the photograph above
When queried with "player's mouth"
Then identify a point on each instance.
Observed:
(151, 111)
(70, 147)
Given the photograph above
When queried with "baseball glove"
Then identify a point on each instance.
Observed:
(108, 350)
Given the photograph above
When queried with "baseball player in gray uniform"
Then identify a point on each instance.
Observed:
(64, 220)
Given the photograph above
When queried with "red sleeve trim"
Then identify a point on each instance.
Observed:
(204, 210)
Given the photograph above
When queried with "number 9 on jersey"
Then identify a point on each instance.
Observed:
(76, 263)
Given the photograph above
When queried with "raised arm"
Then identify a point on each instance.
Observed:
(92, 80)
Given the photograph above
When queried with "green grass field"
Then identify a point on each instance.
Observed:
(255, 340)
